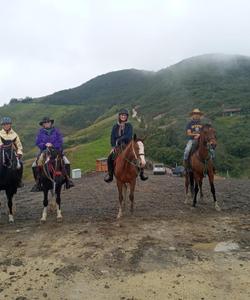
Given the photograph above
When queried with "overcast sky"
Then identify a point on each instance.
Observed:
(50, 45)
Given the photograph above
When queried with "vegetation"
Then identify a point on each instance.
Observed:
(162, 99)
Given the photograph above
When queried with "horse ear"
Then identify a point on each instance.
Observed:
(135, 137)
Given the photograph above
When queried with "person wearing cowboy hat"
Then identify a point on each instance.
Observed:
(121, 134)
(193, 129)
(8, 134)
(49, 136)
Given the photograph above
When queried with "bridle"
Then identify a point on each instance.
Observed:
(48, 167)
(135, 162)
(5, 155)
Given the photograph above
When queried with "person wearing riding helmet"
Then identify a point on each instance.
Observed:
(193, 129)
(8, 134)
(121, 134)
(49, 136)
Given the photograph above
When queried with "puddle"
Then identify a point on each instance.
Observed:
(226, 246)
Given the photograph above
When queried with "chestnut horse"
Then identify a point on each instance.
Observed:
(127, 166)
(201, 163)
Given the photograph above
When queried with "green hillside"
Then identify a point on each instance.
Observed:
(162, 99)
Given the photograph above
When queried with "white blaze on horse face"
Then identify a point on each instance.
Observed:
(141, 154)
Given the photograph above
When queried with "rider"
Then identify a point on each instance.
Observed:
(8, 134)
(121, 135)
(49, 136)
(193, 133)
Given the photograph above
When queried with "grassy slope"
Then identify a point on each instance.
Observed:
(206, 82)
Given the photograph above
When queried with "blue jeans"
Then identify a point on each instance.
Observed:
(188, 149)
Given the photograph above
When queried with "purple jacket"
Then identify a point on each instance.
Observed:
(52, 136)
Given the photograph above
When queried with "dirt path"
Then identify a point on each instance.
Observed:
(164, 251)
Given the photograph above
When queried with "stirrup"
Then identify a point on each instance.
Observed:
(108, 178)
(143, 177)
(69, 184)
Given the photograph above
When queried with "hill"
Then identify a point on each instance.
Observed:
(162, 100)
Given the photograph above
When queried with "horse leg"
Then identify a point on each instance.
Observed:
(211, 182)
(45, 205)
(191, 179)
(120, 186)
(124, 195)
(131, 196)
(58, 204)
(201, 192)
(9, 195)
(186, 187)
(196, 190)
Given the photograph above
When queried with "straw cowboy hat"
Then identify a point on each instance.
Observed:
(196, 111)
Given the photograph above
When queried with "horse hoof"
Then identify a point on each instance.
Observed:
(119, 216)
(59, 219)
(11, 219)
(42, 220)
(217, 207)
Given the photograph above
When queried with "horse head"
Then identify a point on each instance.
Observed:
(53, 165)
(208, 136)
(8, 153)
(139, 151)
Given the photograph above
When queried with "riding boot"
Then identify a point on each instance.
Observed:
(110, 175)
(142, 175)
(69, 182)
(20, 175)
(37, 186)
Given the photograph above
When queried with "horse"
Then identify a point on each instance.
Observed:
(10, 172)
(52, 176)
(127, 165)
(201, 163)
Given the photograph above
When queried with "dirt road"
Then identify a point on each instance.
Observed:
(164, 251)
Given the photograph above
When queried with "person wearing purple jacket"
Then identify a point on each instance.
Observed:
(49, 136)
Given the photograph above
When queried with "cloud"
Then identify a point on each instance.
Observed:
(48, 45)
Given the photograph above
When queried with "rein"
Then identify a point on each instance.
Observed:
(205, 161)
(4, 154)
(48, 168)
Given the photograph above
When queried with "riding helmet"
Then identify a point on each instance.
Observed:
(123, 112)
(6, 120)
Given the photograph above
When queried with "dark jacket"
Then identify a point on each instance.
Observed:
(124, 138)
(52, 136)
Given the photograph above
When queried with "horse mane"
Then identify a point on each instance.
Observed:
(206, 126)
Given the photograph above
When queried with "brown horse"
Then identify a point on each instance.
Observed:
(201, 163)
(127, 165)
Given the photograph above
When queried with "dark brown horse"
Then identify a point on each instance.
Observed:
(52, 177)
(10, 172)
(127, 165)
(201, 163)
